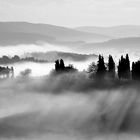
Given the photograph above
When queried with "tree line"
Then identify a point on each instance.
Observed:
(7, 60)
(103, 70)
(60, 67)
(122, 71)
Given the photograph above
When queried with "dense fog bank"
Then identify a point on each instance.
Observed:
(68, 106)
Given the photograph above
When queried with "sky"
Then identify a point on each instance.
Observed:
(72, 13)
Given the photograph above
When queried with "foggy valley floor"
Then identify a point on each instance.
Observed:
(69, 70)
(69, 107)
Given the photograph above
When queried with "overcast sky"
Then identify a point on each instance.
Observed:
(72, 13)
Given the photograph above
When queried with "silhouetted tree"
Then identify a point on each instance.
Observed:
(136, 70)
(6, 72)
(133, 71)
(61, 68)
(26, 73)
(119, 70)
(127, 67)
(101, 69)
(57, 65)
(92, 69)
(5, 59)
(111, 66)
(12, 71)
(124, 68)
(16, 58)
(62, 65)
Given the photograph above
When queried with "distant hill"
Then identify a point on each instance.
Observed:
(114, 32)
(54, 55)
(23, 32)
(15, 38)
(124, 44)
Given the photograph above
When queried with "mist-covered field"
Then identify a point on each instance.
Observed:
(68, 107)
(47, 52)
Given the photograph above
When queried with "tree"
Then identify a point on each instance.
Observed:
(5, 59)
(111, 66)
(127, 67)
(136, 70)
(26, 73)
(16, 58)
(92, 69)
(62, 65)
(101, 69)
(119, 70)
(124, 68)
(133, 71)
(57, 66)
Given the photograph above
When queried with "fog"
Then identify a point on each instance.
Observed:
(68, 107)
(38, 69)
(41, 69)
(23, 49)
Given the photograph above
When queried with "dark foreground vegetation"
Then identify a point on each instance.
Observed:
(99, 71)
(105, 71)
(123, 71)
(102, 103)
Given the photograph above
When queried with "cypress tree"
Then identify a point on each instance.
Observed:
(124, 68)
(111, 66)
(62, 65)
(101, 69)
(127, 67)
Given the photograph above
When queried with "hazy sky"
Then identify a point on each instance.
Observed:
(72, 12)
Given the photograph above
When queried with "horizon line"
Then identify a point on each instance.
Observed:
(100, 26)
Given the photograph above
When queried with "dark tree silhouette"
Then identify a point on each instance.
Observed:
(127, 67)
(101, 69)
(111, 67)
(6, 72)
(119, 70)
(92, 69)
(62, 65)
(124, 68)
(57, 65)
(16, 58)
(61, 68)
(136, 70)
(5, 59)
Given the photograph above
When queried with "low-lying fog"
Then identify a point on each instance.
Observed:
(42, 69)
(67, 107)
(23, 49)
(45, 68)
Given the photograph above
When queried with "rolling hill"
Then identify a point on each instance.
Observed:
(23, 32)
(54, 55)
(114, 32)
(127, 45)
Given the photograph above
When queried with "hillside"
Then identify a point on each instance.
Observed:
(114, 32)
(27, 32)
(127, 45)
(54, 55)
